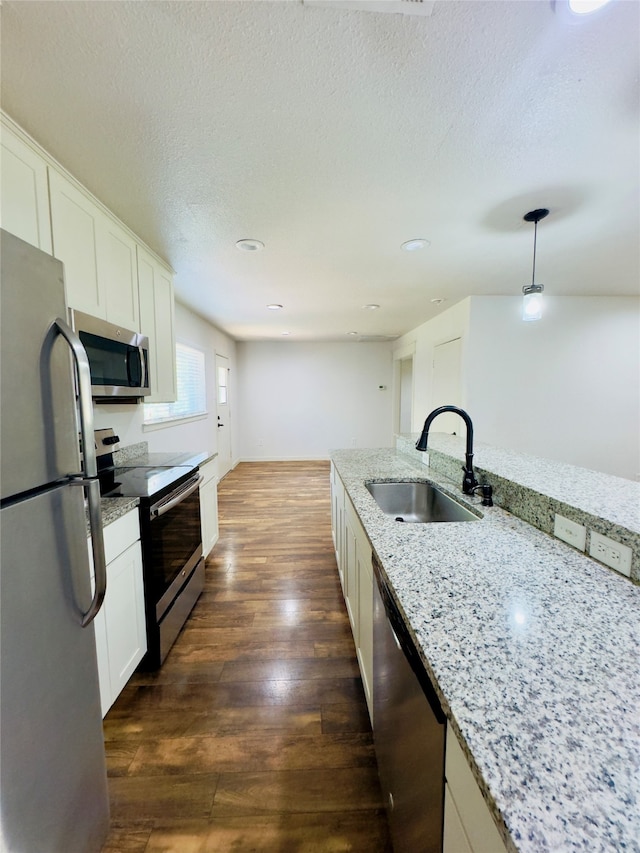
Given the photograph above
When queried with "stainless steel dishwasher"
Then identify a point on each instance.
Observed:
(409, 731)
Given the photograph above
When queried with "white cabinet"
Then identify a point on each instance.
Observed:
(337, 520)
(76, 222)
(353, 555)
(119, 627)
(364, 648)
(468, 824)
(119, 274)
(99, 256)
(108, 274)
(155, 286)
(209, 506)
(25, 195)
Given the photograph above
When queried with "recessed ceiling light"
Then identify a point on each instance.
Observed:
(585, 7)
(415, 244)
(247, 245)
(371, 307)
(274, 306)
(352, 333)
(438, 300)
(285, 333)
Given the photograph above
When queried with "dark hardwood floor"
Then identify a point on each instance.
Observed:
(254, 735)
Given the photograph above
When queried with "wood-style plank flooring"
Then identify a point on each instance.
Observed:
(254, 735)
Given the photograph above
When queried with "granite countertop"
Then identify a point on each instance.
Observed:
(112, 509)
(534, 650)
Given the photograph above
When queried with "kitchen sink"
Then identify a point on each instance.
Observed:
(417, 503)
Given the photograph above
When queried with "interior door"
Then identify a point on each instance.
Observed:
(406, 394)
(447, 384)
(224, 415)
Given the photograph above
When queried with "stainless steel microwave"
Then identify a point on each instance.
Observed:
(118, 358)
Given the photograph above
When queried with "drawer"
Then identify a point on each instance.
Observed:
(119, 535)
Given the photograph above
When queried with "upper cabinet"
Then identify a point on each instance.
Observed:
(99, 256)
(25, 200)
(76, 225)
(108, 274)
(118, 264)
(155, 285)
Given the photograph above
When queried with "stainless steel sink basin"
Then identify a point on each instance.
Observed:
(419, 503)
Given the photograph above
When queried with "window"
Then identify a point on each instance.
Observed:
(222, 385)
(192, 391)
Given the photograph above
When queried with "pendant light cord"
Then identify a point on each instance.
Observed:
(535, 237)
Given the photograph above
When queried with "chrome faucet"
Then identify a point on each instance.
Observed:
(469, 483)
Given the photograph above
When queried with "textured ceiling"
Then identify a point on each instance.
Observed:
(333, 135)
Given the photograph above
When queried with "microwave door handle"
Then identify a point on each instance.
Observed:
(144, 367)
(90, 482)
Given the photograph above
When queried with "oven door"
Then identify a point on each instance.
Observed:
(175, 544)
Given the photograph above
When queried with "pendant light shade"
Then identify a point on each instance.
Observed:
(532, 304)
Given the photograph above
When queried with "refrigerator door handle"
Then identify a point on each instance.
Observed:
(91, 483)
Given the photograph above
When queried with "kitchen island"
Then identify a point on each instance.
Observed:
(533, 650)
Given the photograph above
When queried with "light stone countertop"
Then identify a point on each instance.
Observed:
(112, 509)
(534, 650)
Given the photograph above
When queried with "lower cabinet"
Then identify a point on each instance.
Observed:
(353, 555)
(468, 824)
(209, 506)
(337, 520)
(119, 627)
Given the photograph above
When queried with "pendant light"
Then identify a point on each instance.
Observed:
(532, 302)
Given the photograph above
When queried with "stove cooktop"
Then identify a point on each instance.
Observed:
(141, 482)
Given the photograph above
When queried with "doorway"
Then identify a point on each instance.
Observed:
(406, 394)
(224, 415)
(446, 383)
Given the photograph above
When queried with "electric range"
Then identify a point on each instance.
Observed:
(167, 485)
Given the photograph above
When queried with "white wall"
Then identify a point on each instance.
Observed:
(194, 435)
(298, 400)
(453, 323)
(566, 387)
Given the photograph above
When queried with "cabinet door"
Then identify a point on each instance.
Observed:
(351, 575)
(209, 513)
(155, 286)
(102, 654)
(24, 192)
(124, 617)
(338, 523)
(76, 222)
(468, 810)
(454, 837)
(119, 274)
(365, 620)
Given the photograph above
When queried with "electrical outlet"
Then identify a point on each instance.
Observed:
(570, 532)
(354, 442)
(613, 554)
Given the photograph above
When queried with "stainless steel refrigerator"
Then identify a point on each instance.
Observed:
(53, 794)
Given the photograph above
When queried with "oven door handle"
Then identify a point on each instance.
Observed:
(161, 507)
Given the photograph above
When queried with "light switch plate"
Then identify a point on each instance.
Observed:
(613, 554)
(570, 532)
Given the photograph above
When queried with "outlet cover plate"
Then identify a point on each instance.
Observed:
(613, 554)
(570, 532)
